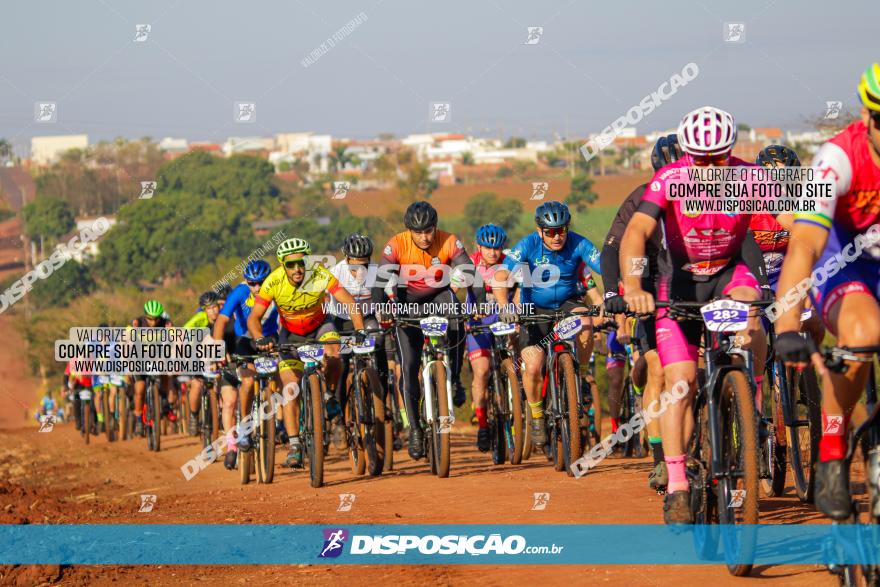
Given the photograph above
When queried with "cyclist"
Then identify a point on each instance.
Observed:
(702, 260)
(666, 150)
(75, 383)
(772, 233)
(847, 300)
(551, 245)
(491, 239)
(154, 316)
(353, 274)
(298, 292)
(423, 246)
(234, 315)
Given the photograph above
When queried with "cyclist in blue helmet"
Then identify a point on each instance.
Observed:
(238, 307)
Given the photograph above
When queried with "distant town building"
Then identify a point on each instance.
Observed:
(47, 150)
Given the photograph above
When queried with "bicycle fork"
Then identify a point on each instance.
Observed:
(426, 383)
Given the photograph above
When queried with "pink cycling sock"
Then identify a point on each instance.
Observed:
(677, 478)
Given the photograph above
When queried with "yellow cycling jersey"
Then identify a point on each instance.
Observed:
(301, 309)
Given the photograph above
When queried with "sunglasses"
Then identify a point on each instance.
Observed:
(254, 283)
(552, 232)
(875, 116)
(293, 264)
(706, 160)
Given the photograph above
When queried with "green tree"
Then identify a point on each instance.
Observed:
(284, 166)
(581, 194)
(66, 283)
(515, 143)
(743, 127)
(467, 158)
(504, 171)
(48, 218)
(5, 150)
(417, 183)
(487, 207)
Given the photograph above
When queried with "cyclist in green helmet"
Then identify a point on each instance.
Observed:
(154, 316)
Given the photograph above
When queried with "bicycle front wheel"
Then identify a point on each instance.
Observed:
(442, 425)
(512, 394)
(571, 421)
(738, 487)
(267, 436)
(805, 432)
(315, 424)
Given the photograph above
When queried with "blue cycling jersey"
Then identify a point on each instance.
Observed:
(537, 288)
(239, 304)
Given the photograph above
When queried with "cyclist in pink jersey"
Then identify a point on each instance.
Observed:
(839, 242)
(705, 258)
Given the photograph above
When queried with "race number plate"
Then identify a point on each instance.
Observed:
(311, 354)
(434, 326)
(568, 328)
(502, 328)
(366, 347)
(268, 365)
(725, 316)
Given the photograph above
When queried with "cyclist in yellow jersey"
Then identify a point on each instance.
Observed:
(299, 294)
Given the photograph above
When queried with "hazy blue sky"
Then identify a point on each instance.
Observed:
(594, 61)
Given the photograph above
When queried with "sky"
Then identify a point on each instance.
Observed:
(592, 63)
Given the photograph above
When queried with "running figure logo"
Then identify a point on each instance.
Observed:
(734, 32)
(45, 112)
(346, 502)
(539, 190)
(535, 33)
(833, 425)
(147, 503)
(737, 498)
(541, 501)
(47, 423)
(245, 112)
(340, 189)
(639, 264)
(141, 31)
(334, 540)
(441, 112)
(148, 188)
(832, 109)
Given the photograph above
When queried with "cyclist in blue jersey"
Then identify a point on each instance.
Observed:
(532, 263)
(238, 308)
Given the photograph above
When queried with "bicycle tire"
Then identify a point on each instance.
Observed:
(376, 444)
(356, 453)
(109, 420)
(495, 417)
(315, 424)
(204, 420)
(703, 499)
(86, 419)
(124, 416)
(267, 436)
(390, 428)
(513, 395)
(156, 417)
(739, 437)
(572, 422)
(803, 463)
(444, 443)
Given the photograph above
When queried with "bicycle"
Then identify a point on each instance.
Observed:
(723, 452)
(564, 401)
(87, 412)
(263, 409)
(630, 401)
(315, 435)
(151, 414)
(370, 436)
(504, 395)
(797, 406)
(436, 415)
(865, 485)
(394, 415)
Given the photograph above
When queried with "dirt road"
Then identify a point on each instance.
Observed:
(54, 478)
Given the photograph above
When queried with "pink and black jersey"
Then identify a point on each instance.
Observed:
(699, 244)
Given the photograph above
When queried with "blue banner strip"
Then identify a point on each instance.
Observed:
(170, 544)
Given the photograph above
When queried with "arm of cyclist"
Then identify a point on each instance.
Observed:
(754, 260)
(633, 260)
(255, 324)
(347, 300)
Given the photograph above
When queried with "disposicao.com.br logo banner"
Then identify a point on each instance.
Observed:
(541, 544)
